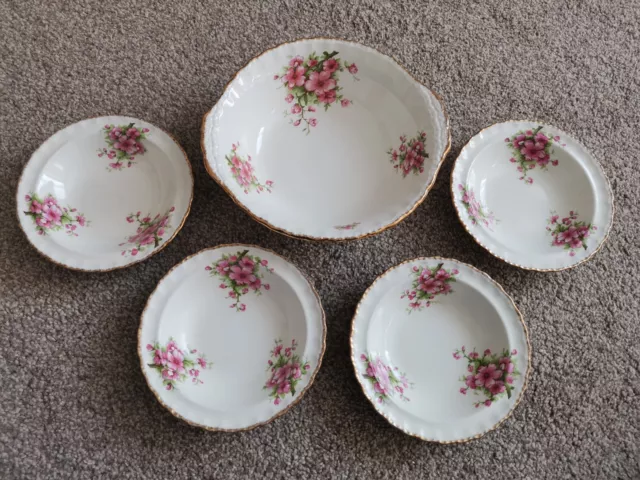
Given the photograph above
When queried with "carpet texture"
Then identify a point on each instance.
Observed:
(73, 401)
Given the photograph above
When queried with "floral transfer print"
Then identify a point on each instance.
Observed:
(312, 83)
(243, 172)
(387, 382)
(350, 226)
(491, 375)
(240, 273)
(568, 232)
(149, 232)
(48, 216)
(125, 143)
(175, 365)
(531, 148)
(477, 213)
(409, 157)
(428, 282)
(286, 369)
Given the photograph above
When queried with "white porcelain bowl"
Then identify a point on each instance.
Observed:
(231, 338)
(325, 139)
(440, 350)
(532, 195)
(104, 193)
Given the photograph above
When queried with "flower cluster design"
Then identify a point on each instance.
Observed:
(240, 274)
(387, 382)
(568, 232)
(477, 213)
(48, 216)
(350, 226)
(311, 82)
(125, 142)
(242, 170)
(286, 369)
(149, 232)
(428, 283)
(175, 365)
(531, 148)
(491, 375)
(410, 155)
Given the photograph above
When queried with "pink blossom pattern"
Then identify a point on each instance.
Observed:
(312, 82)
(149, 233)
(242, 170)
(490, 375)
(531, 149)
(428, 283)
(568, 232)
(350, 226)
(387, 382)
(477, 213)
(48, 216)
(125, 144)
(286, 369)
(409, 157)
(175, 365)
(240, 274)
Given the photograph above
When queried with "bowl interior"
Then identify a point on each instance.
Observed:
(114, 210)
(331, 171)
(422, 332)
(547, 215)
(254, 346)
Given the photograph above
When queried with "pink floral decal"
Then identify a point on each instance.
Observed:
(489, 375)
(387, 382)
(410, 155)
(568, 232)
(48, 216)
(243, 172)
(531, 148)
(311, 82)
(477, 213)
(175, 365)
(350, 226)
(125, 143)
(286, 369)
(428, 283)
(149, 232)
(240, 273)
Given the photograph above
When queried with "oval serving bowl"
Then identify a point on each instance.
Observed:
(326, 140)
(440, 350)
(532, 196)
(231, 338)
(104, 193)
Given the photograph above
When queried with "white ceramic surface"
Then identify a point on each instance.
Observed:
(413, 340)
(304, 137)
(532, 195)
(104, 193)
(248, 331)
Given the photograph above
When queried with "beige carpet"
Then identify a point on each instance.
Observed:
(73, 401)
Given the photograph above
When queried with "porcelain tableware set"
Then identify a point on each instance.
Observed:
(322, 139)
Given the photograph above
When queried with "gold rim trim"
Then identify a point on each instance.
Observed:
(287, 233)
(524, 326)
(281, 412)
(157, 250)
(604, 174)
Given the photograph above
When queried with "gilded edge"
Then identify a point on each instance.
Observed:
(157, 250)
(281, 412)
(604, 174)
(287, 233)
(524, 326)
